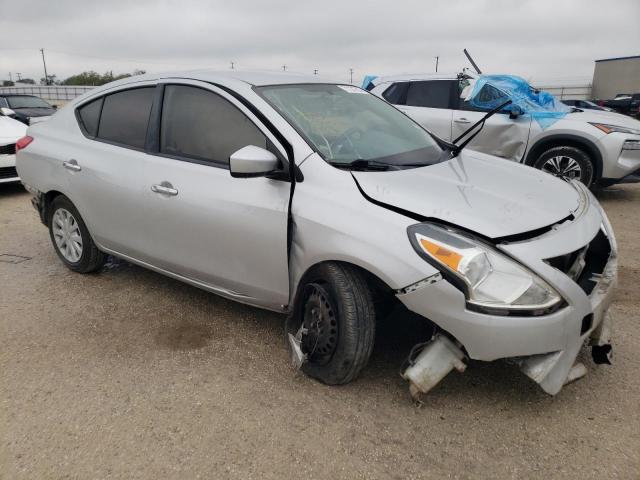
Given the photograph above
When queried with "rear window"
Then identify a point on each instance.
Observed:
(432, 94)
(125, 116)
(89, 115)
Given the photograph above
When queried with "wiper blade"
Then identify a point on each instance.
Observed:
(480, 123)
(361, 164)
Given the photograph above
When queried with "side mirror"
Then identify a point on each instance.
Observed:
(55, 107)
(252, 161)
(515, 111)
(7, 111)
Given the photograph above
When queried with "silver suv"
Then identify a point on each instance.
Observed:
(325, 203)
(595, 147)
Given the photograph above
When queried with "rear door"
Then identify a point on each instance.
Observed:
(429, 102)
(227, 233)
(501, 136)
(106, 169)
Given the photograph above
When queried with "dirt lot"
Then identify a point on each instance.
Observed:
(128, 374)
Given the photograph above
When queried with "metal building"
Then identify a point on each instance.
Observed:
(616, 75)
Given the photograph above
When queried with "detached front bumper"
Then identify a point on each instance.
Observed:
(544, 346)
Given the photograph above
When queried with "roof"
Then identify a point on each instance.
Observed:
(256, 78)
(617, 58)
(415, 76)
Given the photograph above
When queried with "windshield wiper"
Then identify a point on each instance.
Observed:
(456, 150)
(361, 164)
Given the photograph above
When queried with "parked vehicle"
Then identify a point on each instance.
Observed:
(10, 132)
(626, 103)
(597, 148)
(585, 105)
(27, 109)
(322, 201)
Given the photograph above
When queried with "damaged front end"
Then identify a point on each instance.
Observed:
(544, 344)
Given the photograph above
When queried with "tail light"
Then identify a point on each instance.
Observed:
(23, 142)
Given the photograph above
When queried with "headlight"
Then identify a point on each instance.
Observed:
(490, 280)
(615, 128)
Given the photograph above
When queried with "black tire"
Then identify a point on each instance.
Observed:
(351, 321)
(566, 156)
(91, 259)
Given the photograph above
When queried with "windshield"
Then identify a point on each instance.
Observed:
(346, 124)
(20, 101)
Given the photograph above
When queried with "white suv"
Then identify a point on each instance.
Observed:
(593, 146)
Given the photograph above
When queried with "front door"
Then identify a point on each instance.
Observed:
(228, 233)
(501, 135)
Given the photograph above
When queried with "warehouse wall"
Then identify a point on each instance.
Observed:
(611, 77)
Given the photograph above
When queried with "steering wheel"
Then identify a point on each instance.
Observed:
(339, 143)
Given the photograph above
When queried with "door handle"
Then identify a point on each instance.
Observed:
(72, 165)
(164, 188)
(462, 120)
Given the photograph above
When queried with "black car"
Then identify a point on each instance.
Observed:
(26, 107)
(583, 104)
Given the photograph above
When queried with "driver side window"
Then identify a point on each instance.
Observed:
(200, 125)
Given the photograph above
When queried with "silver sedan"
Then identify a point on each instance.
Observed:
(324, 202)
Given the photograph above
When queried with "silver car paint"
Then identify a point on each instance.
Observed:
(471, 191)
(179, 235)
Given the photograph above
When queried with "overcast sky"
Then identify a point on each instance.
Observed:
(540, 40)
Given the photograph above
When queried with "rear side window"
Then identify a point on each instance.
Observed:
(89, 115)
(396, 93)
(201, 125)
(433, 94)
(125, 116)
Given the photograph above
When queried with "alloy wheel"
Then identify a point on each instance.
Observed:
(563, 167)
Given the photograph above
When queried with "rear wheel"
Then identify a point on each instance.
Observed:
(335, 321)
(567, 163)
(71, 239)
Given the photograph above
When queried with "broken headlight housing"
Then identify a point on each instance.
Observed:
(492, 281)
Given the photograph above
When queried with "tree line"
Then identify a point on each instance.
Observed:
(85, 78)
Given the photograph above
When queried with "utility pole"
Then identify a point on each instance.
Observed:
(10, 78)
(46, 77)
(18, 74)
(437, 58)
(315, 71)
(351, 73)
(232, 65)
(284, 68)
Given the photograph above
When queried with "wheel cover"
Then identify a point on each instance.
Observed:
(563, 167)
(321, 325)
(67, 235)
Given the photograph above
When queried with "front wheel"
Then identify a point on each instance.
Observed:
(335, 320)
(71, 239)
(567, 163)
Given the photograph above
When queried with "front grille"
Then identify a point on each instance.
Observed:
(585, 265)
(8, 149)
(8, 172)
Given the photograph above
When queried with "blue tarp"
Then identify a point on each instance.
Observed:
(367, 80)
(490, 91)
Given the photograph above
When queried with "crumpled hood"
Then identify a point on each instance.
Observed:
(478, 192)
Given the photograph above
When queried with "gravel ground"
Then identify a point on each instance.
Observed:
(128, 374)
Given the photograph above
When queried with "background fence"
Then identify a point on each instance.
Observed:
(568, 92)
(54, 94)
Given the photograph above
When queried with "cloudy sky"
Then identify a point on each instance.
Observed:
(540, 40)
